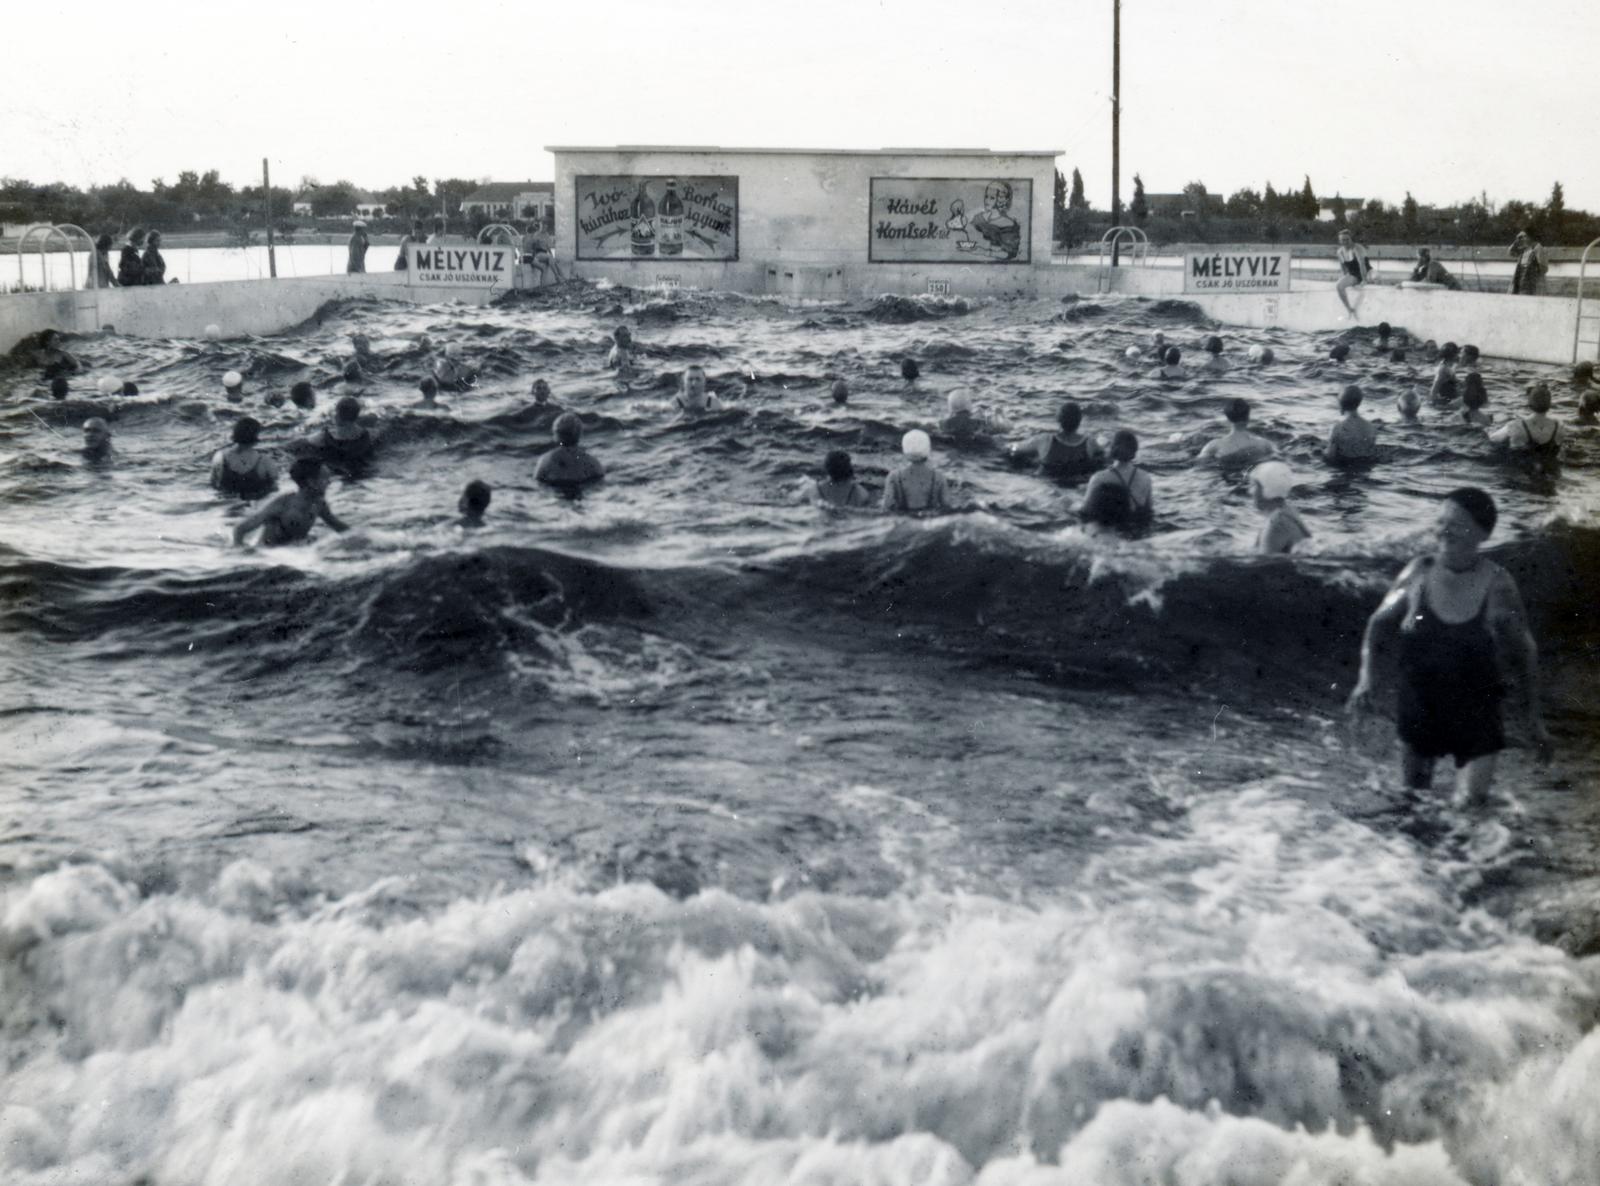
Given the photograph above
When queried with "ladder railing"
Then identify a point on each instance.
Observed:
(1112, 242)
(1578, 340)
(85, 301)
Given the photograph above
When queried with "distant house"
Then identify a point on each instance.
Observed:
(513, 199)
(1179, 205)
(1325, 207)
(368, 205)
(302, 205)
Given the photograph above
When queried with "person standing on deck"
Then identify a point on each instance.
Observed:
(358, 248)
(100, 273)
(1456, 615)
(1528, 276)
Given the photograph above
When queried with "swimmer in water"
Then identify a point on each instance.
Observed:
(1158, 347)
(52, 358)
(1536, 439)
(569, 466)
(1457, 615)
(1270, 484)
(1589, 408)
(960, 421)
(1122, 495)
(1353, 438)
(840, 392)
(1240, 446)
(450, 372)
(692, 398)
(839, 487)
(620, 358)
(474, 503)
(1171, 365)
(96, 439)
(910, 372)
(1443, 390)
(303, 397)
(1385, 332)
(347, 443)
(59, 387)
(242, 470)
(1067, 455)
(429, 387)
(1409, 403)
(1340, 351)
(1214, 364)
(289, 518)
(233, 387)
(1474, 396)
(916, 486)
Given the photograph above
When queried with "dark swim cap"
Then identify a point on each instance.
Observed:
(1340, 352)
(347, 409)
(1477, 504)
(59, 387)
(1213, 345)
(568, 428)
(1070, 416)
(1124, 445)
(303, 396)
(1350, 398)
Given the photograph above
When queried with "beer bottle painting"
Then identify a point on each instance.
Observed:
(644, 222)
(669, 221)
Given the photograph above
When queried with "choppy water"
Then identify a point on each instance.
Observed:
(687, 834)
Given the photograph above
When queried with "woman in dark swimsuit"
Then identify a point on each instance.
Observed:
(1457, 613)
(1064, 456)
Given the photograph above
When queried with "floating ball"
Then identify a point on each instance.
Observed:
(1131, 353)
(1255, 353)
(107, 385)
(233, 379)
(213, 333)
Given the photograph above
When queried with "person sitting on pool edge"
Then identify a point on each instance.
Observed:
(1431, 271)
(1121, 495)
(288, 518)
(474, 503)
(692, 398)
(1066, 455)
(242, 470)
(916, 485)
(1270, 484)
(1355, 269)
(1240, 446)
(347, 443)
(568, 466)
(1353, 438)
(840, 488)
(1536, 439)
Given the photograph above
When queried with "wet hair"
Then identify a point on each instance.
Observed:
(1385, 329)
(1124, 445)
(352, 372)
(909, 370)
(475, 497)
(1469, 353)
(1539, 397)
(1213, 345)
(1340, 351)
(1070, 416)
(838, 465)
(1449, 352)
(1397, 355)
(1172, 357)
(302, 396)
(130, 388)
(246, 431)
(304, 469)
(568, 428)
(541, 387)
(1583, 371)
(1237, 411)
(622, 335)
(59, 387)
(347, 409)
(429, 386)
(840, 391)
(1589, 404)
(1350, 398)
(1478, 505)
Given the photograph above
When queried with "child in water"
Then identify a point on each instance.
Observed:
(289, 518)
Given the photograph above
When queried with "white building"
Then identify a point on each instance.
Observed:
(512, 199)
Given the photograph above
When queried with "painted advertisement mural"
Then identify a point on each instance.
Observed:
(950, 220)
(659, 217)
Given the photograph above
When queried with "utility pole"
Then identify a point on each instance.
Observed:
(1116, 122)
(266, 213)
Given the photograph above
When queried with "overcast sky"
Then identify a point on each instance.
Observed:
(1370, 97)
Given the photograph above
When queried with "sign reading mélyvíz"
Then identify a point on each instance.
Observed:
(461, 265)
(1236, 271)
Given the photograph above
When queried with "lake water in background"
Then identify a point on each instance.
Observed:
(689, 834)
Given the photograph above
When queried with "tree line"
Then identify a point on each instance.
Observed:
(1294, 214)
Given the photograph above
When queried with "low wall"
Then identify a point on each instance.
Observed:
(184, 310)
(1525, 328)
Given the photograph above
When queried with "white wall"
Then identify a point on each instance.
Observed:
(808, 210)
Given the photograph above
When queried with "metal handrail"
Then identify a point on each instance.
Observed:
(1112, 240)
(50, 231)
(1577, 320)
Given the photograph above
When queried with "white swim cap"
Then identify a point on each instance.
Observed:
(453, 350)
(107, 385)
(916, 444)
(213, 331)
(233, 379)
(1274, 478)
(1255, 353)
(959, 401)
(1131, 352)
